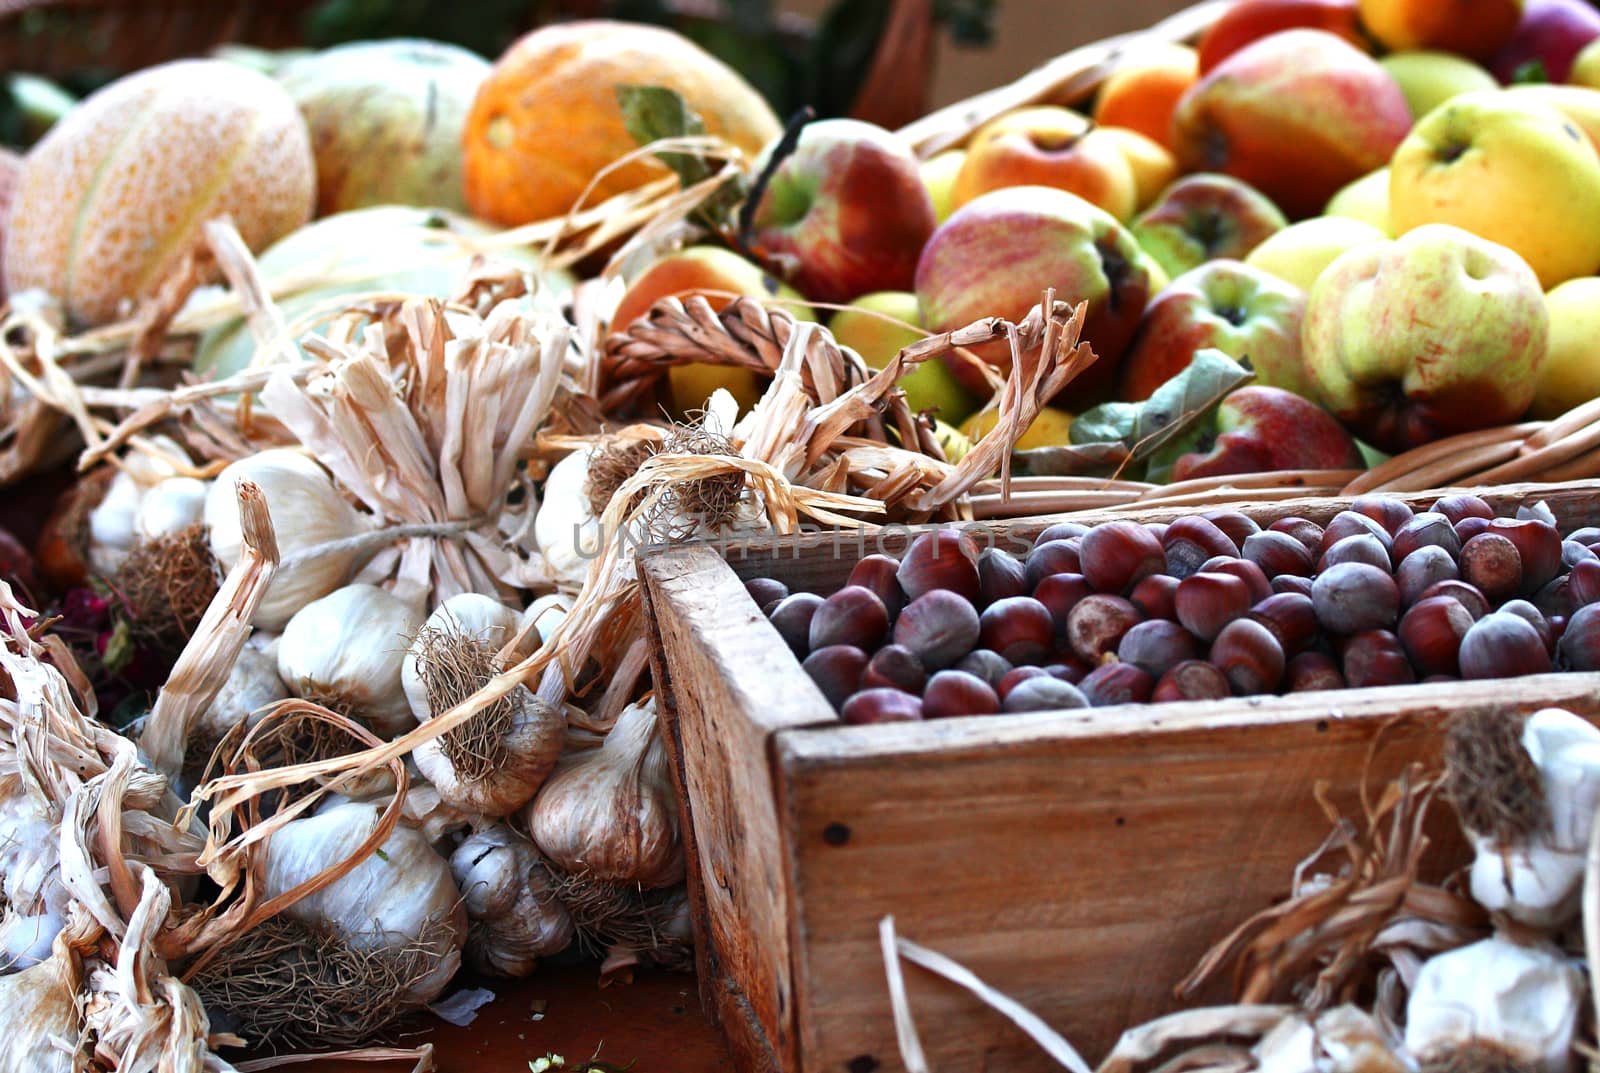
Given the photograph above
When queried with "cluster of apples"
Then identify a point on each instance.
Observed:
(1368, 200)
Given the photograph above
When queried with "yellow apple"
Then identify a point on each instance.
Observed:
(1586, 66)
(952, 441)
(877, 326)
(1154, 166)
(1366, 199)
(1430, 78)
(1510, 170)
(1300, 252)
(1570, 374)
(1049, 428)
(1578, 103)
(939, 176)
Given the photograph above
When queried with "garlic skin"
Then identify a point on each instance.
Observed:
(502, 769)
(41, 1004)
(568, 535)
(511, 902)
(546, 613)
(306, 510)
(609, 814)
(1524, 999)
(1345, 1039)
(395, 898)
(114, 522)
(345, 650)
(253, 683)
(174, 504)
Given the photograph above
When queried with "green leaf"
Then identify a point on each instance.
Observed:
(1187, 398)
(1110, 422)
(1532, 72)
(1076, 460)
(119, 647)
(651, 113)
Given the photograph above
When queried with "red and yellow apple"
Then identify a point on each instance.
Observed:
(1578, 103)
(1250, 20)
(1297, 115)
(1430, 78)
(1366, 199)
(1226, 305)
(1049, 146)
(846, 213)
(1154, 167)
(1436, 332)
(1299, 253)
(1144, 87)
(1265, 429)
(1509, 170)
(1570, 375)
(1476, 28)
(878, 326)
(1051, 427)
(997, 254)
(1548, 38)
(1205, 216)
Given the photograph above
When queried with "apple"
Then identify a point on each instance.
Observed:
(1298, 254)
(1048, 146)
(1509, 170)
(846, 213)
(1546, 41)
(1227, 305)
(1264, 429)
(1428, 78)
(1578, 103)
(1366, 199)
(1475, 28)
(1282, 114)
(1051, 427)
(1143, 88)
(1154, 168)
(939, 176)
(1205, 216)
(1570, 375)
(878, 326)
(1251, 20)
(1436, 332)
(1586, 66)
(995, 256)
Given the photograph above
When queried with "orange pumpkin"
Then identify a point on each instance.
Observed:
(111, 200)
(546, 120)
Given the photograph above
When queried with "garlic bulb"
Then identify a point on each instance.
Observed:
(568, 534)
(307, 510)
(345, 651)
(30, 879)
(1344, 1039)
(496, 761)
(176, 503)
(42, 1022)
(511, 902)
(113, 523)
(400, 899)
(1522, 1001)
(546, 613)
(253, 684)
(609, 814)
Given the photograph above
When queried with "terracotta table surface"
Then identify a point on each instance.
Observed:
(653, 1025)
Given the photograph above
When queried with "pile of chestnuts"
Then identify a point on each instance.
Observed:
(1208, 606)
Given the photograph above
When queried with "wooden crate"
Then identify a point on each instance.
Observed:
(1080, 861)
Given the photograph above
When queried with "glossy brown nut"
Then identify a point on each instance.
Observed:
(990, 666)
(1457, 507)
(1422, 568)
(1431, 632)
(1238, 526)
(1387, 511)
(939, 627)
(1573, 553)
(1056, 557)
(1206, 602)
(1530, 614)
(1348, 523)
(1060, 531)
(1502, 645)
(1000, 576)
(1096, 625)
(1116, 555)
(792, 619)
(1291, 617)
(1589, 534)
(1352, 598)
(1425, 530)
(1191, 541)
(1192, 679)
(1464, 593)
(1020, 628)
(1358, 548)
(1539, 544)
(880, 574)
(942, 559)
(1156, 646)
(1015, 677)
(764, 590)
(1246, 571)
(1061, 593)
(1312, 671)
(837, 671)
(1306, 531)
(895, 667)
(1555, 600)
(950, 694)
(1491, 563)
(1044, 694)
(1249, 656)
(1287, 583)
(1117, 683)
(1583, 583)
(1467, 528)
(1376, 658)
(882, 706)
(1070, 669)
(851, 616)
(1157, 530)
(1278, 553)
(1154, 596)
(1580, 640)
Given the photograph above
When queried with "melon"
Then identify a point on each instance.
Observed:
(114, 197)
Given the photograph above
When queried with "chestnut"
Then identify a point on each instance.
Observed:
(1357, 548)
(851, 616)
(765, 590)
(1539, 545)
(1154, 596)
(1191, 541)
(1555, 600)
(1354, 597)
(990, 666)
(1117, 554)
(894, 667)
(942, 559)
(1573, 553)
(1457, 507)
(1291, 617)
(1060, 531)
(1535, 618)
(939, 627)
(1117, 683)
(1055, 557)
(1156, 646)
(1044, 695)
(1243, 569)
(1061, 593)
(1096, 625)
(1491, 563)
(878, 573)
(1502, 645)
(1249, 656)
(1015, 677)
(1424, 530)
(1313, 670)
(1467, 528)
(881, 706)
(1589, 534)
(1376, 658)
(1070, 669)
(1431, 632)
(1386, 511)
(837, 671)
(1306, 531)
(1278, 553)
(1020, 628)
(1348, 523)
(1193, 679)
(1238, 526)
(1580, 640)
(791, 616)
(1288, 583)
(1206, 602)
(1583, 583)
(1464, 593)
(1157, 530)
(1422, 568)
(1000, 575)
(956, 693)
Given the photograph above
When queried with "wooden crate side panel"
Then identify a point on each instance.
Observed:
(1080, 867)
(733, 684)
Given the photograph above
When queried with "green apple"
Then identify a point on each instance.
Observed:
(877, 326)
(1300, 252)
(1430, 78)
(1366, 199)
(1570, 375)
(939, 176)
(1586, 66)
